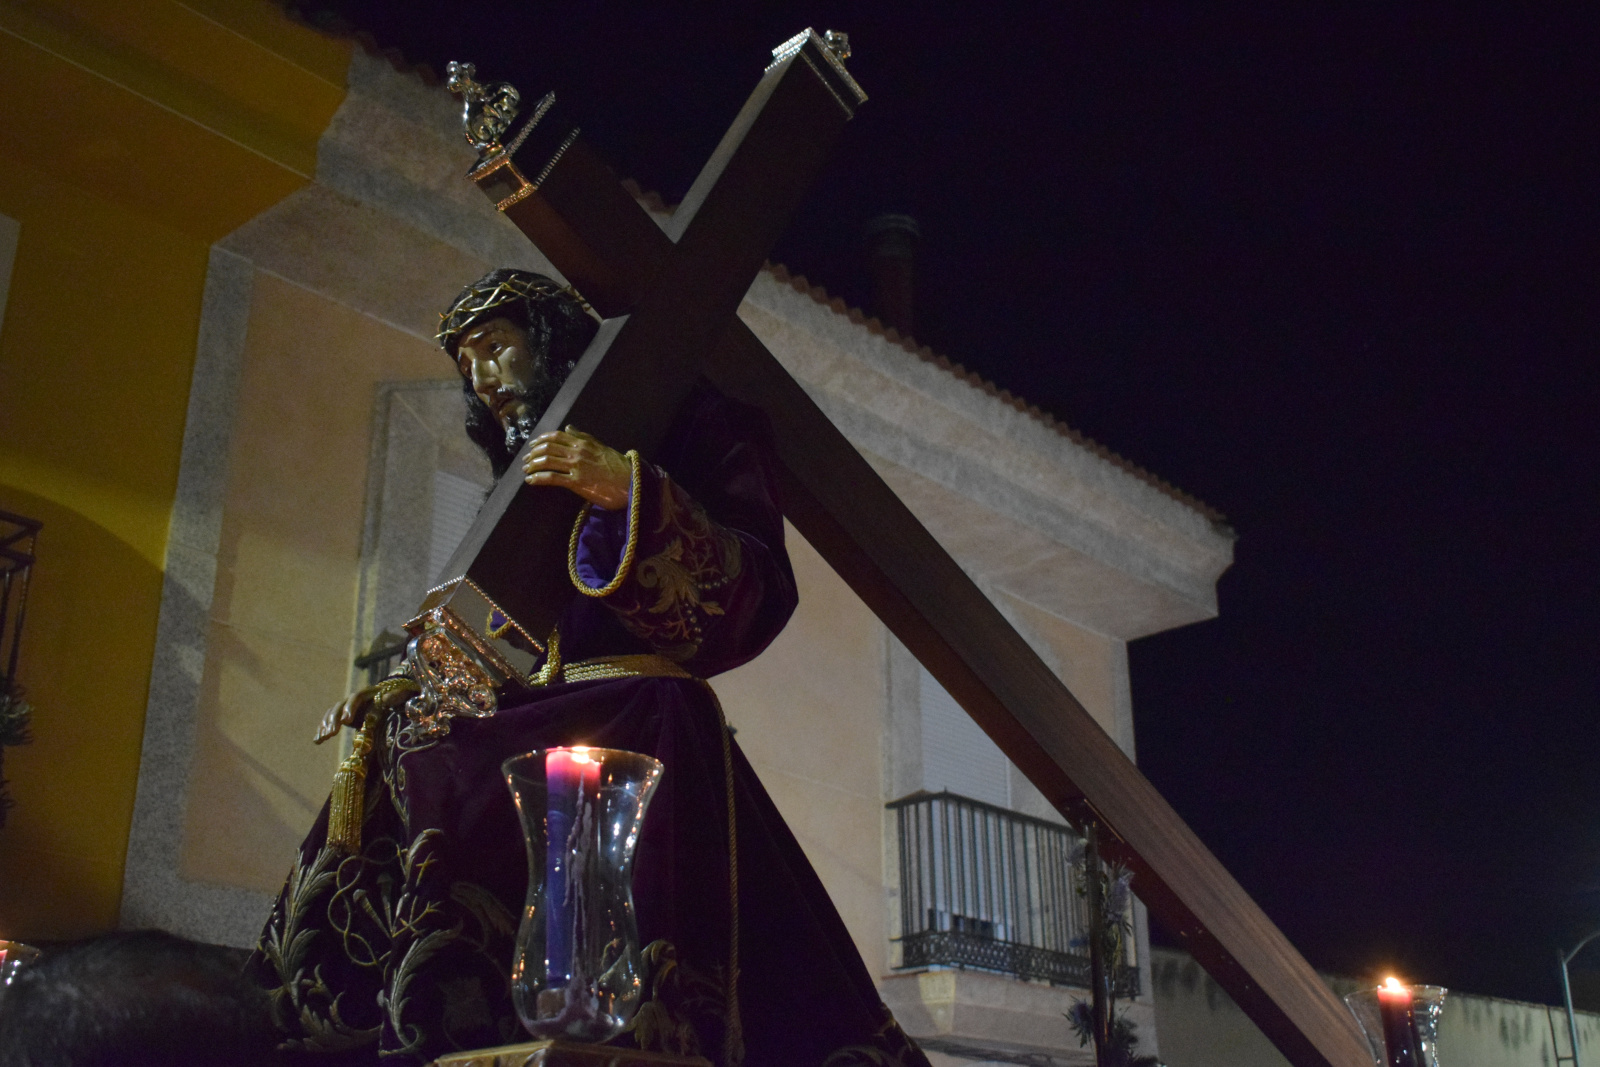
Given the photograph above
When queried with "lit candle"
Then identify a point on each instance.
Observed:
(1399, 1024)
(572, 777)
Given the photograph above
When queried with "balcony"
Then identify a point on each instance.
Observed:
(384, 656)
(988, 889)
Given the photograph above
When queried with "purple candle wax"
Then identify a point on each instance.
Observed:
(1399, 1024)
(572, 779)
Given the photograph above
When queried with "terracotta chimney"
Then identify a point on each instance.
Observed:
(892, 256)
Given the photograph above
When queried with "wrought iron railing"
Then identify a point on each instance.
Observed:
(17, 536)
(382, 658)
(991, 889)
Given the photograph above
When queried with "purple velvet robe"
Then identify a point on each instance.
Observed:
(403, 951)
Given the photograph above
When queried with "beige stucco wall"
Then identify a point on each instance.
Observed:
(1093, 666)
(282, 627)
(809, 712)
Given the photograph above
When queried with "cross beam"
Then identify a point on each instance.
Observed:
(610, 249)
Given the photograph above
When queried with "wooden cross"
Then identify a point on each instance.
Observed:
(669, 300)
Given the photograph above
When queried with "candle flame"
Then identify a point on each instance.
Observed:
(1392, 984)
(580, 754)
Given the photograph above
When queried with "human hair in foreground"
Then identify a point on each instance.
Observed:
(135, 998)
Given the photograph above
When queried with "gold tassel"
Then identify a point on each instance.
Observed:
(347, 805)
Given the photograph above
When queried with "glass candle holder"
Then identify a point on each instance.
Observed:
(576, 969)
(14, 956)
(1401, 1023)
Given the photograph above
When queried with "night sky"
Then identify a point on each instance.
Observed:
(1331, 273)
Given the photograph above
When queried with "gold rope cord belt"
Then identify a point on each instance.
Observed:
(642, 665)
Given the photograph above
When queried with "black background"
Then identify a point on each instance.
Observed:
(1332, 273)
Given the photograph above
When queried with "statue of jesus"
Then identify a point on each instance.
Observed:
(395, 943)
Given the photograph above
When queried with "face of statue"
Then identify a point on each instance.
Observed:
(494, 356)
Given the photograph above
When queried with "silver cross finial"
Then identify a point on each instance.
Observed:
(486, 110)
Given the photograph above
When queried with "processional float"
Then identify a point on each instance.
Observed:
(669, 299)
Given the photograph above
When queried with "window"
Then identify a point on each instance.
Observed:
(956, 754)
(455, 504)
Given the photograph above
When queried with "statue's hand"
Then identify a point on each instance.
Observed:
(383, 696)
(574, 460)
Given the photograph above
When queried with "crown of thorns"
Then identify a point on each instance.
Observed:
(476, 301)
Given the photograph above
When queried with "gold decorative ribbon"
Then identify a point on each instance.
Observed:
(626, 563)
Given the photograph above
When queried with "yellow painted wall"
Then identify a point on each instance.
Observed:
(132, 136)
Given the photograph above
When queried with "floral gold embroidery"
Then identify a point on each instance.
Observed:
(662, 1022)
(284, 944)
(699, 557)
(386, 912)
